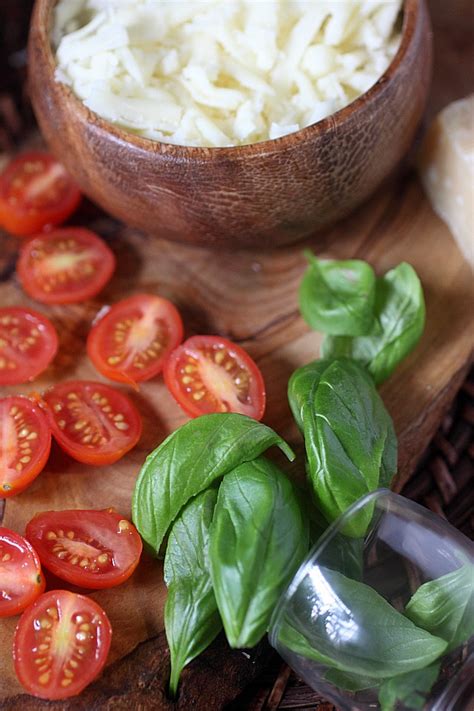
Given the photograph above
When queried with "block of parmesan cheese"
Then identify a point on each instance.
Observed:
(446, 168)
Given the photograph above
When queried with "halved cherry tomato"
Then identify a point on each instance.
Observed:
(134, 338)
(66, 266)
(92, 422)
(25, 442)
(28, 344)
(210, 374)
(21, 579)
(61, 644)
(92, 549)
(35, 192)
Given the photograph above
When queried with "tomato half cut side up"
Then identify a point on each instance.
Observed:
(131, 342)
(25, 443)
(28, 344)
(21, 579)
(36, 192)
(66, 266)
(61, 644)
(210, 374)
(92, 422)
(91, 549)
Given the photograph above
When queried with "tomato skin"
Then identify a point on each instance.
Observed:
(69, 556)
(21, 215)
(209, 374)
(108, 338)
(21, 566)
(73, 624)
(120, 435)
(22, 360)
(45, 275)
(21, 416)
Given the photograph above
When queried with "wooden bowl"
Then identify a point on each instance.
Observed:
(263, 194)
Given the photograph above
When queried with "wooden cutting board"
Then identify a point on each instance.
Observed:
(250, 298)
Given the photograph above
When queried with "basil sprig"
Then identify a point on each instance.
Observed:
(192, 619)
(338, 297)
(189, 461)
(377, 322)
(259, 537)
(350, 441)
(399, 318)
(230, 550)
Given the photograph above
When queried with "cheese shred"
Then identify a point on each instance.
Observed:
(222, 72)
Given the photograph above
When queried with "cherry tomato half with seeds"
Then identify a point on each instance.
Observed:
(92, 422)
(61, 644)
(25, 443)
(91, 549)
(131, 342)
(28, 344)
(66, 266)
(21, 579)
(35, 192)
(210, 374)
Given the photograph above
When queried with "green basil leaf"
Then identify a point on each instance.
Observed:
(338, 296)
(350, 682)
(350, 441)
(356, 629)
(259, 537)
(297, 643)
(188, 461)
(302, 386)
(445, 606)
(400, 320)
(192, 619)
(410, 689)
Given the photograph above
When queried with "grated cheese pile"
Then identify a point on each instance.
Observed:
(222, 72)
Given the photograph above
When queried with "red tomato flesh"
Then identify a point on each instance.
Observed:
(28, 344)
(92, 422)
(134, 338)
(35, 192)
(61, 644)
(21, 579)
(66, 266)
(25, 443)
(91, 549)
(210, 374)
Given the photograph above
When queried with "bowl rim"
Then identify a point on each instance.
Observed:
(40, 30)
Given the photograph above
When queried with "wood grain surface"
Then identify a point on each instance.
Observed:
(250, 298)
(269, 193)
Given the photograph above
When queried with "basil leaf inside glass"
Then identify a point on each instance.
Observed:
(445, 606)
(411, 688)
(352, 628)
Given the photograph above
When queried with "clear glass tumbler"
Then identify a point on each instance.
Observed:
(386, 620)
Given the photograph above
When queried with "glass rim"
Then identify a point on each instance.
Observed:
(333, 529)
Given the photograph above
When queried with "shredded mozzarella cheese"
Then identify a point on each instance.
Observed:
(222, 72)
